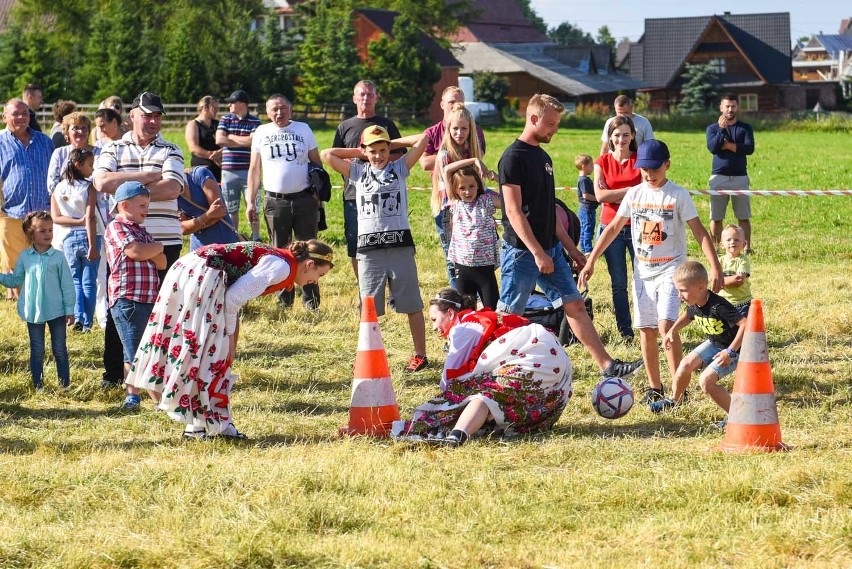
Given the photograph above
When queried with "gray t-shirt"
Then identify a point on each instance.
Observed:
(643, 129)
(382, 201)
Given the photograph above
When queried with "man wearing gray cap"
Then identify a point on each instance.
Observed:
(234, 135)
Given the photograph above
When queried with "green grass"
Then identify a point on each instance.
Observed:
(85, 486)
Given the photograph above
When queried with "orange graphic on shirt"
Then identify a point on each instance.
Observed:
(652, 233)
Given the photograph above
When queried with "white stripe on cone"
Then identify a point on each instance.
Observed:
(369, 337)
(753, 409)
(372, 393)
(754, 348)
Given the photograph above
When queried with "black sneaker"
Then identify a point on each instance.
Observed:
(652, 394)
(620, 368)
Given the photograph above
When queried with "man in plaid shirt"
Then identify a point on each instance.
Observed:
(134, 258)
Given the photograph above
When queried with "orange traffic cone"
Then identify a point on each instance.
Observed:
(753, 416)
(373, 406)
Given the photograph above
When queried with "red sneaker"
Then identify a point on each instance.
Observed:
(416, 363)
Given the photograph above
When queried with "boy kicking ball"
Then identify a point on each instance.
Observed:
(718, 355)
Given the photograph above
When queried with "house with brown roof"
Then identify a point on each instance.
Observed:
(499, 21)
(370, 24)
(750, 54)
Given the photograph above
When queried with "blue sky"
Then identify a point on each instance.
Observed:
(626, 18)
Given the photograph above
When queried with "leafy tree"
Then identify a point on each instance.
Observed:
(532, 16)
(329, 65)
(569, 34)
(403, 70)
(491, 88)
(604, 37)
(183, 78)
(700, 90)
(272, 66)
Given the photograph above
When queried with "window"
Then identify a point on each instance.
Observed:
(748, 102)
(718, 65)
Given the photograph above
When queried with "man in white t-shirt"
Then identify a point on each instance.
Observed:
(624, 108)
(282, 151)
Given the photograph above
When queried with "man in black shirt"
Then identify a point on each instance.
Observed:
(533, 240)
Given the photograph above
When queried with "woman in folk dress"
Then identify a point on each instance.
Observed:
(184, 358)
(501, 373)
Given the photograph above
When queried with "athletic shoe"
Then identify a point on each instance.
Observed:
(619, 368)
(662, 405)
(110, 384)
(721, 424)
(416, 363)
(651, 394)
(77, 327)
(131, 402)
(230, 434)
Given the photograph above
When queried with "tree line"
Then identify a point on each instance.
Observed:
(86, 50)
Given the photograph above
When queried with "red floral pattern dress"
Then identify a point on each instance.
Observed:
(184, 351)
(524, 377)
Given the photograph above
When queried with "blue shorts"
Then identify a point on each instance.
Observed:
(519, 276)
(130, 318)
(705, 353)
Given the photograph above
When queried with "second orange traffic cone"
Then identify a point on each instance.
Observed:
(373, 406)
(753, 416)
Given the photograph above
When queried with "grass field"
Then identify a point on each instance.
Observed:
(85, 486)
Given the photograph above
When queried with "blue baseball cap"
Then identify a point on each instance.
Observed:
(652, 154)
(126, 191)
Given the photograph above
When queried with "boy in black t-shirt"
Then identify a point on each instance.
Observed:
(718, 355)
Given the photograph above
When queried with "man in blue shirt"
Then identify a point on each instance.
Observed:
(730, 141)
(24, 160)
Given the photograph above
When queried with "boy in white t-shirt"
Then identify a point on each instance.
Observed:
(658, 211)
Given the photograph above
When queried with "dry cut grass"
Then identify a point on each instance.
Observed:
(88, 487)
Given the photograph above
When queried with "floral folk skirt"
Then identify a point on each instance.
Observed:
(524, 377)
(183, 353)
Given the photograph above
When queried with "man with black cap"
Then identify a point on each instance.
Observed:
(142, 155)
(234, 135)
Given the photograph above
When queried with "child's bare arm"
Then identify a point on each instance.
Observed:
(723, 358)
(735, 281)
(706, 243)
(338, 158)
(682, 321)
(418, 145)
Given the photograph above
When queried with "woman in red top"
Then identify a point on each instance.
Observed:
(501, 373)
(615, 173)
(184, 358)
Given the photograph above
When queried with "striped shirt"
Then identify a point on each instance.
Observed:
(159, 156)
(237, 158)
(134, 280)
(23, 171)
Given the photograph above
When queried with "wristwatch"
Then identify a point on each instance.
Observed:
(731, 352)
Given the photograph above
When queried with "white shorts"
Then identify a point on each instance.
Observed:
(654, 299)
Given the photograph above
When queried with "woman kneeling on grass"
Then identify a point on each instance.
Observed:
(184, 358)
(502, 374)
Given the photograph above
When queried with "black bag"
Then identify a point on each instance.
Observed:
(320, 181)
(554, 319)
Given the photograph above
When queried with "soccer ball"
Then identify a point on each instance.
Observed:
(612, 398)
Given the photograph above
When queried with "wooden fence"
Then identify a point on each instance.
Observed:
(328, 114)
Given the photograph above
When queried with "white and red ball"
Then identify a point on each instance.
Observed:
(612, 397)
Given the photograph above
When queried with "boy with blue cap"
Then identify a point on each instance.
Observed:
(659, 212)
(134, 257)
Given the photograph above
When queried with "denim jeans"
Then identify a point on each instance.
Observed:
(85, 275)
(587, 212)
(234, 186)
(616, 265)
(443, 226)
(57, 344)
(519, 276)
(131, 318)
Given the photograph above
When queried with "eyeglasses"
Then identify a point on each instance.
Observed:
(19, 115)
(79, 129)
